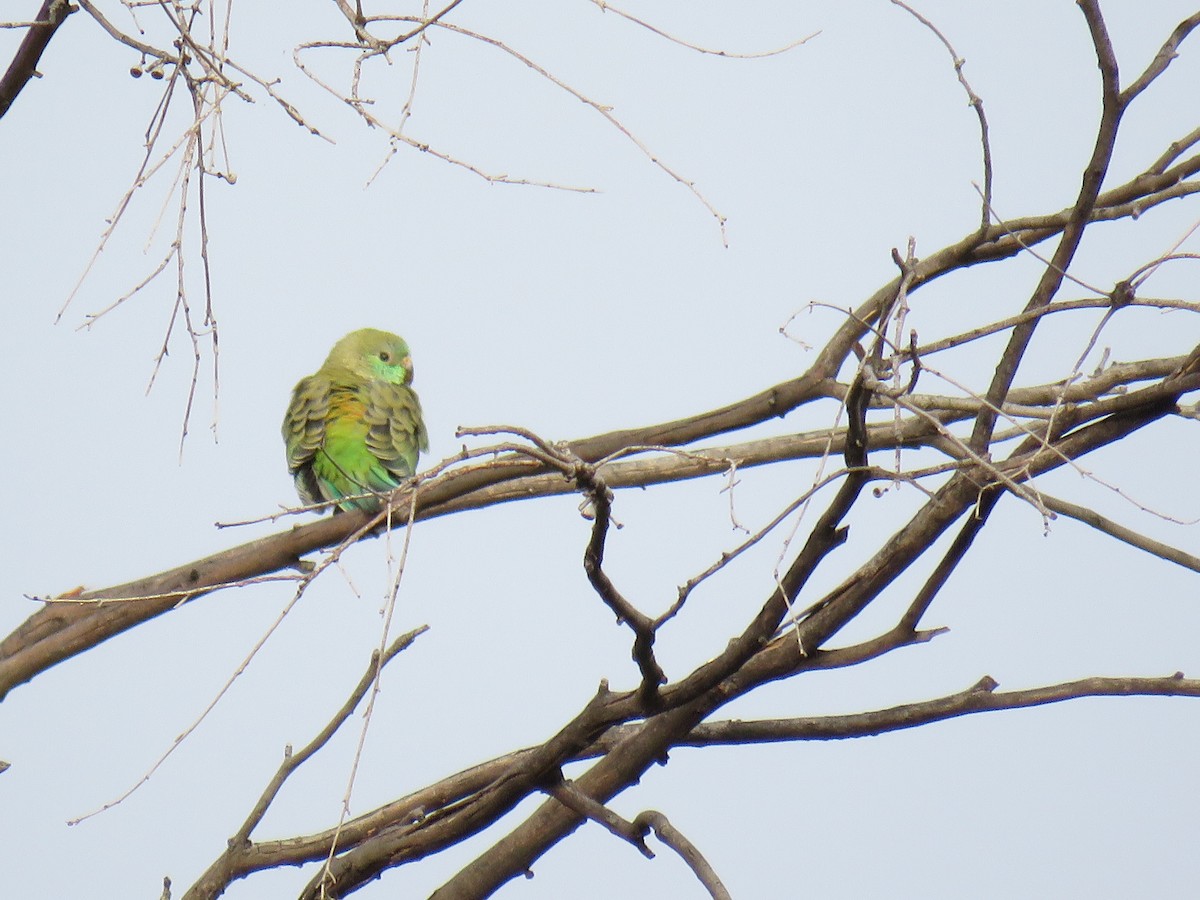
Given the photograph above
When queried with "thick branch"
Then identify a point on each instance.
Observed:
(24, 65)
(59, 630)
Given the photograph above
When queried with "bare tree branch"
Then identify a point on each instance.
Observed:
(24, 64)
(963, 442)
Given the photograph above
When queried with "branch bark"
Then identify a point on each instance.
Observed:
(24, 64)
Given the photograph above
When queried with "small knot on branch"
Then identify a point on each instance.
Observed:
(1122, 294)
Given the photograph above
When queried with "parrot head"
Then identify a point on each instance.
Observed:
(372, 355)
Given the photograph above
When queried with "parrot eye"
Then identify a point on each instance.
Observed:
(383, 355)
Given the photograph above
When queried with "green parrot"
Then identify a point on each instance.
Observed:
(353, 429)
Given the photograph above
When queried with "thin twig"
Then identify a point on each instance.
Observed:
(976, 103)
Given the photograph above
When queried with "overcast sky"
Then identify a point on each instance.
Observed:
(571, 314)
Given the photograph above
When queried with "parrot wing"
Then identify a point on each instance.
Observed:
(304, 432)
(395, 430)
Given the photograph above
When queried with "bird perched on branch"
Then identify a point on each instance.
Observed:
(353, 429)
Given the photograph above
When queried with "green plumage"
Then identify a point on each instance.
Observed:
(353, 429)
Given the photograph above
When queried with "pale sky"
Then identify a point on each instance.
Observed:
(573, 314)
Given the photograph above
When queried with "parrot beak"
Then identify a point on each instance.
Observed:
(408, 367)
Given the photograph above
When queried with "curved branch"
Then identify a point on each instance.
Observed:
(1089, 191)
